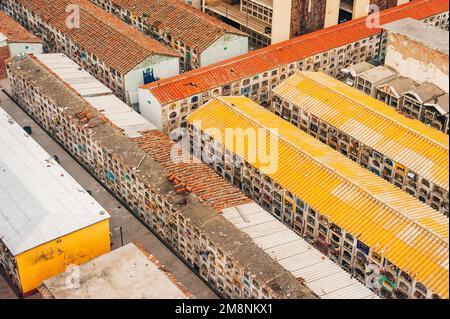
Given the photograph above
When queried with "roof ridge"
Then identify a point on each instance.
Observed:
(88, 7)
(396, 122)
(397, 212)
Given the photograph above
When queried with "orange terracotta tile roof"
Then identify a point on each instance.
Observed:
(14, 31)
(191, 26)
(109, 39)
(259, 61)
(205, 182)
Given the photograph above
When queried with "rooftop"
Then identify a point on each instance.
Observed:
(260, 61)
(153, 175)
(387, 219)
(185, 23)
(400, 85)
(419, 31)
(427, 92)
(358, 68)
(377, 74)
(409, 142)
(14, 32)
(321, 275)
(126, 273)
(40, 201)
(97, 94)
(108, 38)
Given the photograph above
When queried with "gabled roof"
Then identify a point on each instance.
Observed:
(191, 26)
(260, 61)
(409, 142)
(14, 32)
(109, 39)
(410, 234)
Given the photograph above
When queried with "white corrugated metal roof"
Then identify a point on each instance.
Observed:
(320, 274)
(39, 200)
(96, 94)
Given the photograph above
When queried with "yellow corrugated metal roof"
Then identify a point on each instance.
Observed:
(411, 143)
(411, 235)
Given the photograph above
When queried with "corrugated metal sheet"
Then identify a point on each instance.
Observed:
(411, 143)
(98, 95)
(325, 278)
(266, 59)
(408, 233)
(39, 200)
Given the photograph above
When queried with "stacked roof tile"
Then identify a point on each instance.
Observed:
(259, 61)
(191, 26)
(14, 32)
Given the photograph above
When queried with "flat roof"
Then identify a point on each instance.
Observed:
(39, 200)
(388, 220)
(319, 273)
(97, 94)
(422, 149)
(419, 31)
(263, 60)
(128, 272)
(191, 26)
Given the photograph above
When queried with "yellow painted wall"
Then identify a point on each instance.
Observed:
(52, 258)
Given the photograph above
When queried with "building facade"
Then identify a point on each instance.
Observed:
(166, 103)
(48, 221)
(120, 57)
(312, 189)
(200, 39)
(272, 21)
(405, 152)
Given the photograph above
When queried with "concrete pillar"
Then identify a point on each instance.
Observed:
(360, 8)
(281, 21)
(332, 13)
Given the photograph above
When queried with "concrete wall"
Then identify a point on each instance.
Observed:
(281, 21)
(28, 48)
(150, 108)
(228, 46)
(416, 61)
(52, 258)
(162, 66)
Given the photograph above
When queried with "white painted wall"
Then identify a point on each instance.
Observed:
(162, 66)
(331, 13)
(281, 21)
(195, 3)
(150, 108)
(228, 46)
(28, 48)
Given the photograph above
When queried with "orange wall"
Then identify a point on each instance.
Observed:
(52, 258)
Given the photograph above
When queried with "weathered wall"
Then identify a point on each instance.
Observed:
(52, 258)
(417, 61)
(307, 16)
